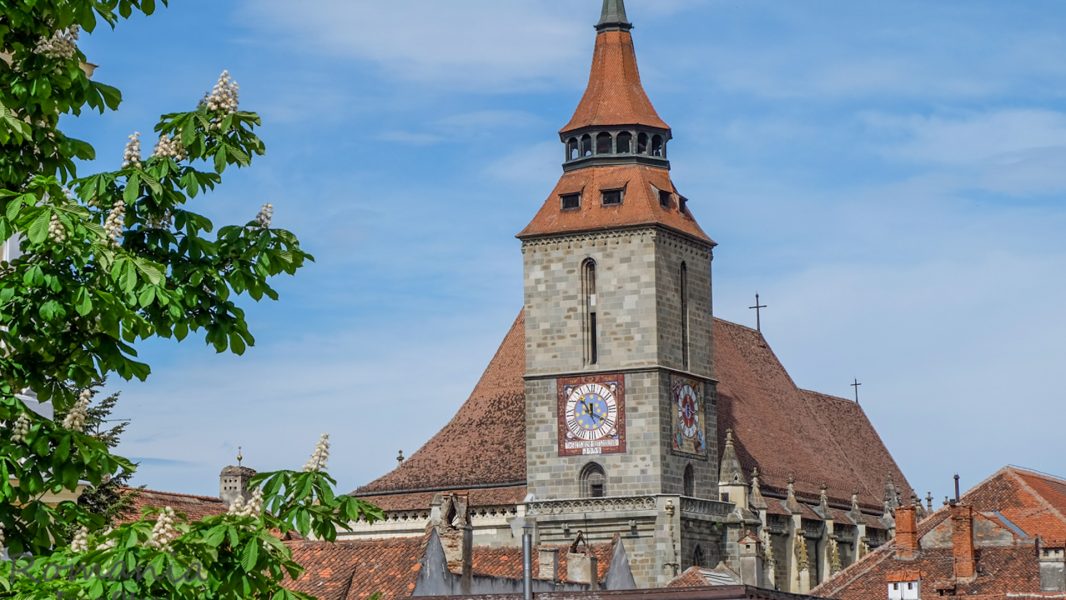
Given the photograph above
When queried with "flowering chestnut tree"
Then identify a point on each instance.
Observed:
(105, 262)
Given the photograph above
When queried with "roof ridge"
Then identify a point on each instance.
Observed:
(1036, 472)
(165, 493)
(1040, 497)
(860, 568)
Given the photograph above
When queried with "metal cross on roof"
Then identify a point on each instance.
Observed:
(856, 386)
(758, 312)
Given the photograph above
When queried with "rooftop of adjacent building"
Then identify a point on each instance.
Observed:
(1013, 517)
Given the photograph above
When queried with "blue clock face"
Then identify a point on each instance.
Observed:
(591, 412)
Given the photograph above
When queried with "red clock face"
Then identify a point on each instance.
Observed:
(690, 431)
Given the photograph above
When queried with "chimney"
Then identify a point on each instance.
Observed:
(548, 563)
(1053, 567)
(962, 541)
(582, 568)
(907, 533)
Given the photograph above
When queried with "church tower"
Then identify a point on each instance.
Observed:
(620, 393)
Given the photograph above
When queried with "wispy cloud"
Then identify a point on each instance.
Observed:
(484, 44)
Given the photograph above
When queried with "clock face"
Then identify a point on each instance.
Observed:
(591, 415)
(689, 428)
(591, 412)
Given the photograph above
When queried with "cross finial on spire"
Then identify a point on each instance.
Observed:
(856, 385)
(613, 17)
(240, 456)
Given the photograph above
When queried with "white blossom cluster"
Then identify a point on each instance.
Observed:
(163, 533)
(75, 419)
(62, 45)
(21, 429)
(163, 222)
(265, 216)
(80, 543)
(56, 232)
(131, 157)
(224, 97)
(320, 455)
(110, 542)
(116, 220)
(252, 508)
(169, 146)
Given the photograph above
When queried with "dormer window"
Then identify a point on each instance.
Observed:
(682, 204)
(571, 201)
(665, 199)
(612, 197)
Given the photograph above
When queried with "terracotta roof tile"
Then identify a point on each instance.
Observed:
(640, 205)
(357, 570)
(615, 95)
(780, 428)
(193, 507)
(785, 430)
(483, 443)
(507, 562)
(476, 498)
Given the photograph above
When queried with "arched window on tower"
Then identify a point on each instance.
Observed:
(625, 143)
(593, 481)
(689, 481)
(657, 148)
(697, 557)
(586, 145)
(683, 292)
(642, 143)
(572, 149)
(588, 287)
(603, 143)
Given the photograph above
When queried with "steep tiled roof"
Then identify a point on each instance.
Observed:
(1033, 501)
(357, 570)
(193, 507)
(615, 95)
(485, 442)
(780, 428)
(640, 205)
(784, 430)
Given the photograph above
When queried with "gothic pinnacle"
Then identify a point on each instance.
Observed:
(613, 17)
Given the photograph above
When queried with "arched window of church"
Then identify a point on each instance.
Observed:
(625, 143)
(588, 287)
(689, 481)
(572, 149)
(683, 292)
(593, 481)
(603, 143)
(586, 145)
(697, 557)
(657, 148)
(642, 143)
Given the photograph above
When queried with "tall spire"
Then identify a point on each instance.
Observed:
(613, 16)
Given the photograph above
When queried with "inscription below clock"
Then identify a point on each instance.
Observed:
(591, 416)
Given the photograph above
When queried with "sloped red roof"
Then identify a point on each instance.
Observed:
(193, 507)
(485, 442)
(640, 205)
(615, 95)
(780, 428)
(507, 562)
(784, 430)
(357, 570)
(1033, 501)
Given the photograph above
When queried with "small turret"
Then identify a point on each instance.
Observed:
(233, 481)
(732, 485)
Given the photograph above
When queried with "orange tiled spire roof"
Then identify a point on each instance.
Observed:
(614, 95)
(616, 172)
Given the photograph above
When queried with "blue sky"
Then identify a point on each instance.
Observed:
(888, 175)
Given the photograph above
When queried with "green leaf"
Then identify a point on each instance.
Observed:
(250, 556)
(38, 230)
